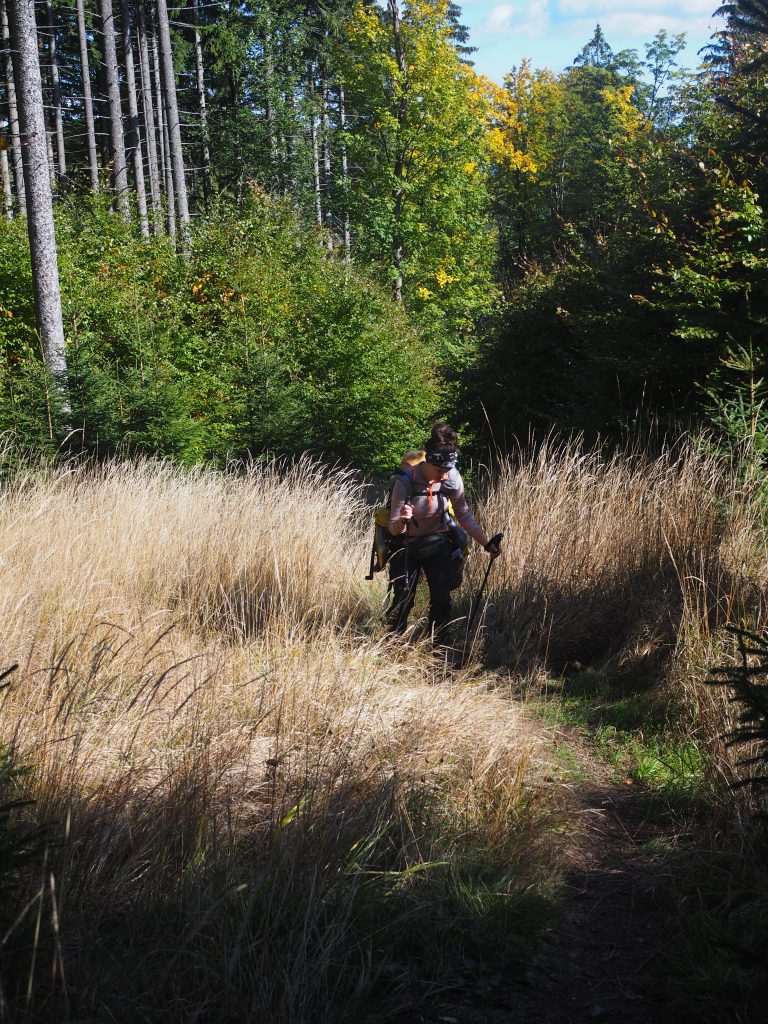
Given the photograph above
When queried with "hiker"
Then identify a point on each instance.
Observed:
(425, 536)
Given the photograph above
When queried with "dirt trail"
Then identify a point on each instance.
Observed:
(601, 959)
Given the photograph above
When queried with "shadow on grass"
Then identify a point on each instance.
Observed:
(356, 903)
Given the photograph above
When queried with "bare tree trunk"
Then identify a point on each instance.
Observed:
(202, 104)
(327, 182)
(315, 151)
(5, 173)
(398, 194)
(168, 174)
(172, 118)
(40, 226)
(162, 128)
(344, 173)
(117, 139)
(149, 120)
(134, 134)
(13, 115)
(269, 104)
(61, 156)
(101, 111)
(90, 127)
(290, 144)
(51, 157)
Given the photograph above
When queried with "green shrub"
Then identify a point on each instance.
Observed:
(254, 342)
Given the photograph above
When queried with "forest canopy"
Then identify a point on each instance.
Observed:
(239, 229)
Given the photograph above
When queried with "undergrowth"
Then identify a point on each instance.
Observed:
(258, 805)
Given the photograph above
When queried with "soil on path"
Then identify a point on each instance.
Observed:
(602, 960)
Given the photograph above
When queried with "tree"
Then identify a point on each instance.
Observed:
(90, 127)
(597, 53)
(116, 134)
(173, 120)
(13, 114)
(40, 225)
(417, 140)
(134, 134)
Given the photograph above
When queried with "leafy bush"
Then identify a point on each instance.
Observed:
(254, 342)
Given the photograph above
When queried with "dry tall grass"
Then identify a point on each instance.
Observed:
(255, 805)
(629, 564)
(242, 792)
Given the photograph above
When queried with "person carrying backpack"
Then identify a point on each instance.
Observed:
(426, 537)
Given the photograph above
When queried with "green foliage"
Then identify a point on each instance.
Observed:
(421, 207)
(256, 342)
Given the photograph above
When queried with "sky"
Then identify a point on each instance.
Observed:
(552, 32)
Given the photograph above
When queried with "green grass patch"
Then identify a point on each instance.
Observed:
(633, 735)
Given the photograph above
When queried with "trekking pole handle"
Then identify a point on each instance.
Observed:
(495, 541)
(411, 520)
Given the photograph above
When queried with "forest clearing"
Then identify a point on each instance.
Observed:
(249, 252)
(245, 800)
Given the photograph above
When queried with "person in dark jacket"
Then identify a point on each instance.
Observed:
(419, 520)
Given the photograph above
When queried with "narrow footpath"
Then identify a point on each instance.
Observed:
(603, 960)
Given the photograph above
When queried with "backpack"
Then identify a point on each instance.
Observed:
(384, 544)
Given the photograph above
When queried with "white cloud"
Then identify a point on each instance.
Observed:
(599, 10)
(518, 19)
(532, 19)
(644, 25)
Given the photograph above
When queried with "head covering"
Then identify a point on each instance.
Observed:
(443, 460)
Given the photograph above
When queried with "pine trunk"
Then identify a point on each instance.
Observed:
(162, 130)
(315, 153)
(13, 115)
(149, 120)
(5, 174)
(172, 119)
(344, 173)
(327, 184)
(134, 134)
(101, 111)
(40, 226)
(58, 120)
(202, 104)
(90, 125)
(398, 194)
(117, 139)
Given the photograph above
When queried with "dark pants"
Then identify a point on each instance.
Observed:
(443, 571)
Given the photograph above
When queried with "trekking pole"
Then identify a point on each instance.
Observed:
(497, 541)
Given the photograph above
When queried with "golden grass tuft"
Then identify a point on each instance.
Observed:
(234, 774)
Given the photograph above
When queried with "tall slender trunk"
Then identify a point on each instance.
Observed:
(134, 133)
(206, 145)
(327, 178)
(398, 193)
(90, 126)
(172, 118)
(40, 226)
(344, 173)
(58, 120)
(168, 173)
(13, 114)
(101, 111)
(51, 157)
(117, 139)
(290, 143)
(315, 151)
(5, 174)
(149, 120)
(162, 131)
(269, 101)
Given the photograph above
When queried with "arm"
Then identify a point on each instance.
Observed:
(400, 510)
(463, 512)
